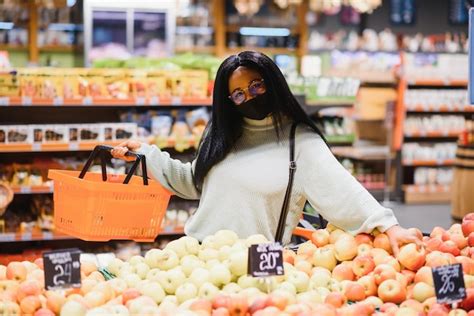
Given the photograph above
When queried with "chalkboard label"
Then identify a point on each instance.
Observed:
(449, 283)
(62, 269)
(265, 260)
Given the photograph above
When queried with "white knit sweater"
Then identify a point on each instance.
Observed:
(245, 191)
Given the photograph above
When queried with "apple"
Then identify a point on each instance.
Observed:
(225, 238)
(208, 291)
(345, 248)
(436, 259)
(207, 254)
(255, 240)
(369, 285)
(54, 301)
(238, 263)
(343, 272)
(375, 301)
(177, 246)
(394, 263)
(320, 279)
(87, 267)
(232, 288)
(130, 294)
(438, 310)
(363, 238)
(379, 255)
(391, 291)
(320, 237)
(457, 312)
(279, 299)
(409, 275)
(224, 253)
(299, 279)
(73, 308)
(364, 249)
(303, 264)
(142, 269)
(95, 298)
(363, 265)
(459, 240)
(335, 299)
(423, 291)
(324, 257)
(247, 281)
(289, 256)
(467, 264)
(27, 288)
(201, 305)
(467, 225)
(413, 304)
(437, 231)
(470, 240)
(118, 285)
(220, 275)
(170, 280)
(406, 311)
(30, 304)
(132, 279)
(199, 276)
(433, 244)
(114, 266)
(106, 288)
(153, 290)
(468, 302)
(354, 292)
(136, 306)
(381, 241)
(449, 247)
(16, 271)
(165, 259)
(186, 292)
(306, 250)
(410, 257)
(44, 312)
(238, 305)
(334, 235)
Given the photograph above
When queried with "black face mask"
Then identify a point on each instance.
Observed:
(257, 108)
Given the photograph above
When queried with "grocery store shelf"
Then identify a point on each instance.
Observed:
(442, 109)
(14, 47)
(437, 82)
(362, 153)
(446, 134)
(174, 101)
(266, 50)
(43, 189)
(427, 193)
(340, 139)
(416, 163)
(53, 147)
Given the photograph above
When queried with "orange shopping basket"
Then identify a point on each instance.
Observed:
(98, 207)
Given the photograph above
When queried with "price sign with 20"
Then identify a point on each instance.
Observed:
(62, 268)
(266, 260)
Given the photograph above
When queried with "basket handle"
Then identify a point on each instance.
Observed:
(102, 150)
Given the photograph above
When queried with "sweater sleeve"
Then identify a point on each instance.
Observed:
(335, 193)
(173, 174)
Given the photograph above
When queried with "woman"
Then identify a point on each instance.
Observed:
(240, 173)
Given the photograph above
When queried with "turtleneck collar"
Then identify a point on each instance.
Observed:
(261, 125)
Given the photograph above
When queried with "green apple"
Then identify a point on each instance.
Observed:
(256, 239)
(162, 259)
(220, 275)
(170, 280)
(142, 269)
(225, 238)
(199, 276)
(238, 263)
(189, 263)
(224, 253)
(319, 278)
(191, 244)
(287, 286)
(232, 288)
(309, 296)
(132, 279)
(134, 260)
(186, 292)
(153, 290)
(208, 291)
(247, 281)
(178, 247)
(114, 266)
(299, 279)
(207, 254)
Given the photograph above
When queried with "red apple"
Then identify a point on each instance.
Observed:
(30, 304)
(277, 300)
(39, 263)
(424, 275)
(468, 302)
(388, 308)
(436, 259)
(221, 300)
(289, 256)
(438, 310)
(28, 288)
(258, 304)
(343, 272)
(364, 239)
(468, 224)
(449, 247)
(459, 240)
(221, 311)
(335, 299)
(323, 310)
(467, 264)
(368, 282)
(16, 271)
(410, 275)
(433, 244)
(437, 232)
(382, 241)
(384, 272)
(130, 294)
(413, 304)
(411, 258)
(238, 305)
(354, 292)
(320, 237)
(306, 250)
(363, 265)
(392, 291)
(470, 239)
(44, 312)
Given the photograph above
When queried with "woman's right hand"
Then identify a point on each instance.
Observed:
(120, 150)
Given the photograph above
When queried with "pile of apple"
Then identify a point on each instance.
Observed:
(332, 274)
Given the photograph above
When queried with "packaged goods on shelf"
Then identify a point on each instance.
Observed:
(78, 83)
(15, 134)
(443, 67)
(324, 88)
(433, 176)
(433, 100)
(442, 124)
(424, 152)
(467, 136)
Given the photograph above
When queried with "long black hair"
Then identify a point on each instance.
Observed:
(225, 126)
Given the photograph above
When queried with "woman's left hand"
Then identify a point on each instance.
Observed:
(399, 235)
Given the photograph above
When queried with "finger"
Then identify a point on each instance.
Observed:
(395, 248)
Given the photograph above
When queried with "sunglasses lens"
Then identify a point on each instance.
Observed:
(238, 97)
(256, 88)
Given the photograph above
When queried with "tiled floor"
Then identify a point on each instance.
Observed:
(423, 216)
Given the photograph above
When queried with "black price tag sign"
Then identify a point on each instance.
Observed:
(449, 283)
(265, 260)
(62, 268)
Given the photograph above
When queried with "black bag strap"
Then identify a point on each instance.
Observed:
(286, 201)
